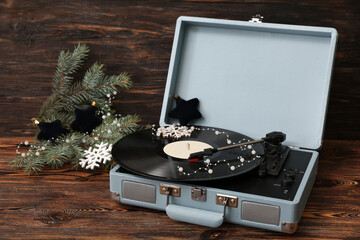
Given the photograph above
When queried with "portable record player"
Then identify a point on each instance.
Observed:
(251, 78)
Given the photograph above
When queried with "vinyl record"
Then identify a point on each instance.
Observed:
(143, 153)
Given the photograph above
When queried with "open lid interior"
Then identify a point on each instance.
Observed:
(253, 78)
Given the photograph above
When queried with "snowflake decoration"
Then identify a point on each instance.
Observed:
(175, 132)
(101, 153)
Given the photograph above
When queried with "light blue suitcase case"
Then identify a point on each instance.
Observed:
(252, 78)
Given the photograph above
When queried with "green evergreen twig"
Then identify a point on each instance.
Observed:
(67, 95)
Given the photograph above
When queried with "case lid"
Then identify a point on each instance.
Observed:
(253, 78)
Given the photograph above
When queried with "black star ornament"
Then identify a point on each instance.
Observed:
(51, 131)
(86, 120)
(185, 111)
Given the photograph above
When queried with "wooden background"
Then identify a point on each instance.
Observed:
(136, 37)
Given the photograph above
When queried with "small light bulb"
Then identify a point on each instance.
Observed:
(93, 104)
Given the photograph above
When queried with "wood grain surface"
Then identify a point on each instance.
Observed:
(136, 37)
(68, 204)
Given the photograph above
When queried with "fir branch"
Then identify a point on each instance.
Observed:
(67, 95)
(34, 166)
(68, 63)
(93, 76)
(62, 151)
(94, 87)
(18, 162)
(122, 80)
(113, 129)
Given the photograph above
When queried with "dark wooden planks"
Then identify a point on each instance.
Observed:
(68, 204)
(136, 37)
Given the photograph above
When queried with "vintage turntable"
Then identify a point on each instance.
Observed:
(252, 78)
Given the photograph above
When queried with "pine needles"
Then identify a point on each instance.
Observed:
(67, 95)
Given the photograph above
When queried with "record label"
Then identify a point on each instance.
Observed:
(183, 149)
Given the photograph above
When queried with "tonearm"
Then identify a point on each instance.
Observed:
(274, 153)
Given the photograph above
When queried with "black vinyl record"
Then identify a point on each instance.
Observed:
(142, 153)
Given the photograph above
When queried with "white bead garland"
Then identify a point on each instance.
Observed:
(210, 165)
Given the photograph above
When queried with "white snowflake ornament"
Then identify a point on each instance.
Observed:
(175, 132)
(92, 157)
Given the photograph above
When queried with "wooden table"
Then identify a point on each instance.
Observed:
(69, 204)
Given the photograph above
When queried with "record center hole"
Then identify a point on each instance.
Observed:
(183, 149)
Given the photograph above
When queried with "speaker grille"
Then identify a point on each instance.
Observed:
(139, 192)
(261, 213)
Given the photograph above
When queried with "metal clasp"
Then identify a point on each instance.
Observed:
(233, 201)
(226, 200)
(198, 194)
(257, 18)
(170, 190)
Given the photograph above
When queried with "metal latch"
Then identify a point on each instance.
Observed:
(198, 194)
(226, 200)
(170, 190)
(231, 201)
(257, 18)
